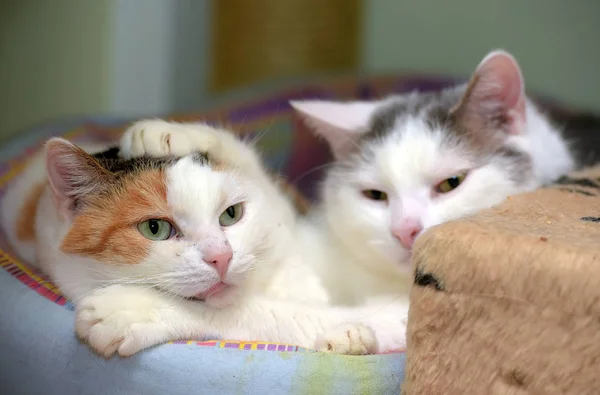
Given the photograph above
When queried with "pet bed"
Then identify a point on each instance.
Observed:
(39, 351)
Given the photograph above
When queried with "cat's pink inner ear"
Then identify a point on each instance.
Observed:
(340, 124)
(72, 173)
(496, 91)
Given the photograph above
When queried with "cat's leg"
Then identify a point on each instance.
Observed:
(159, 138)
(127, 319)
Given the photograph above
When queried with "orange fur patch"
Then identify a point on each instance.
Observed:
(25, 226)
(107, 228)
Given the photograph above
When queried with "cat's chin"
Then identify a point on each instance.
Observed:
(219, 295)
(400, 262)
(396, 256)
(212, 291)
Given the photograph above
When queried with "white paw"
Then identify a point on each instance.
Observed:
(120, 319)
(159, 138)
(349, 339)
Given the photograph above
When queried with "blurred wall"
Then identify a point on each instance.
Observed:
(149, 57)
(557, 42)
(53, 60)
(60, 58)
(159, 55)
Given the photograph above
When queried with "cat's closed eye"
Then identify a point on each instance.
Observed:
(374, 194)
(231, 215)
(156, 229)
(450, 184)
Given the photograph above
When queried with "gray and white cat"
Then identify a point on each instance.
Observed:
(409, 162)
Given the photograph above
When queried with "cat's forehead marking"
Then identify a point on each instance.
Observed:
(416, 136)
(113, 163)
(435, 109)
(134, 165)
(206, 159)
(200, 158)
(432, 107)
(429, 115)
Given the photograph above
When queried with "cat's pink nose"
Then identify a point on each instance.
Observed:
(219, 258)
(407, 232)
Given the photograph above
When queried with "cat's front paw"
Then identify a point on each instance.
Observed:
(348, 339)
(120, 319)
(158, 138)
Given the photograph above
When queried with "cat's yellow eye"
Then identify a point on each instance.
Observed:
(156, 229)
(450, 183)
(231, 215)
(374, 194)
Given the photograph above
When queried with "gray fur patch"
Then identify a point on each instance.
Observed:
(517, 164)
(434, 108)
(201, 158)
(111, 161)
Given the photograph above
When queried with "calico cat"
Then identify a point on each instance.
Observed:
(155, 242)
(409, 162)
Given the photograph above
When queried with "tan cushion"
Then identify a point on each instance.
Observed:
(508, 301)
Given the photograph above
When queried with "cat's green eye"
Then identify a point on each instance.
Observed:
(374, 194)
(156, 229)
(450, 183)
(231, 215)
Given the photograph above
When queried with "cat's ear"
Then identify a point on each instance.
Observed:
(73, 174)
(495, 95)
(339, 123)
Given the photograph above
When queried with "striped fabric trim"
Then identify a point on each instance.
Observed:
(37, 282)
(256, 345)
(245, 345)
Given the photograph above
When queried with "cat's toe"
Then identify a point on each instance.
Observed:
(348, 339)
(159, 138)
(148, 137)
(141, 336)
(84, 321)
(123, 331)
(105, 339)
(110, 322)
(98, 334)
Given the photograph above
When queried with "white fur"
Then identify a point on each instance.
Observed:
(128, 319)
(550, 152)
(273, 294)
